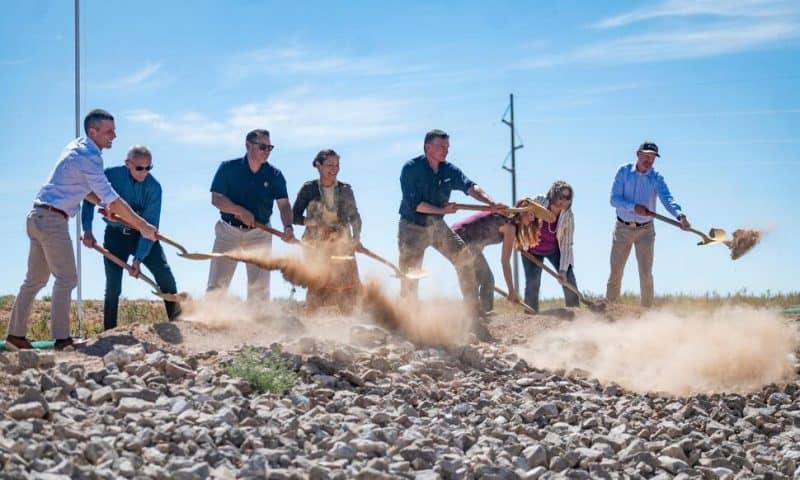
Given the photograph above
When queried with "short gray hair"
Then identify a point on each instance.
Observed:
(139, 151)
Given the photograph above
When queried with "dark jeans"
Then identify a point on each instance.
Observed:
(123, 246)
(412, 241)
(533, 280)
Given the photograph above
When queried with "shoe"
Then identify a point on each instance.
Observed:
(483, 334)
(64, 343)
(17, 343)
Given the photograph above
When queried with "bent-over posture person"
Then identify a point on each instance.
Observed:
(78, 175)
(137, 186)
(636, 186)
(518, 231)
(244, 190)
(327, 208)
(555, 245)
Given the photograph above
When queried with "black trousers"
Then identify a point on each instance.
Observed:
(123, 244)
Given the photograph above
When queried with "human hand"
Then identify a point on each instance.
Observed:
(246, 217)
(88, 239)
(685, 225)
(288, 234)
(562, 277)
(642, 211)
(149, 232)
(136, 268)
(513, 297)
(449, 208)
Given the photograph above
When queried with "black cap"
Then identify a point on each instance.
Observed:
(648, 146)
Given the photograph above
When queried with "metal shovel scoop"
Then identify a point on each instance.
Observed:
(170, 297)
(715, 235)
(411, 275)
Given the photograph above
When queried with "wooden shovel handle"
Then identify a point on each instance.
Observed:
(549, 270)
(376, 257)
(676, 223)
(118, 262)
(520, 302)
(159, 235)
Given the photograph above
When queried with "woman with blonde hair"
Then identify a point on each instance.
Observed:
(327, 208)
(517, 231)
(555, 244)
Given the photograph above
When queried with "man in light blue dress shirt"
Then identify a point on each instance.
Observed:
(636, 187)
(78, 175)
(134, 183)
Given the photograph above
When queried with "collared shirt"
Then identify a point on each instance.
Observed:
(78, 172)
(253, 191)
(143, 197)
(632, 187)
(419, 183)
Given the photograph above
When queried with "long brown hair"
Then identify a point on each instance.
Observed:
(527, 235)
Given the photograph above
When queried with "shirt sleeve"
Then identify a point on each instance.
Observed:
(300, 204)
(666, 197)
(565, 240)
(151, 213)
(354, 216)
(92, 170)
(618, 199)
(219, 183)
(461, 181)
(280, 187)
(410, 193)
(87, 215)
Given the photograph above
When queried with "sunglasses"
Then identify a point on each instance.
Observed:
(142, 169)
(263, 146)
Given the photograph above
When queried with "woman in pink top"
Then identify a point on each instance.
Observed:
(555, 244)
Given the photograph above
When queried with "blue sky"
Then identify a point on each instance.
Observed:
(712, 82)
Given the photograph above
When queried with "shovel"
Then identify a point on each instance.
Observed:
(534, 208)
(415, 275)
(181, 249)
(524, 305)
(593, 306)
(715, 235)
(170, 297)
(279, 234)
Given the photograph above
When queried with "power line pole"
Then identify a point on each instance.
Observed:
(513, 172)
(79, 303)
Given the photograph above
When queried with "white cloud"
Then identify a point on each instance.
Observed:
(717, 8)
(296, 119)
(664, 46)
(298, 60)
(135, 79)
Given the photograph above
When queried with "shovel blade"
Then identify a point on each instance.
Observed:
(200, 256)
(718, 234)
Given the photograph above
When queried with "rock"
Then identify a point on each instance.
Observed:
(102, 394)
(27, 410)
(28, 359)
(133, 405)
(536, 456)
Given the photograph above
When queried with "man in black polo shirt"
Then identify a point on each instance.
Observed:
(426, 182)
(243, 190)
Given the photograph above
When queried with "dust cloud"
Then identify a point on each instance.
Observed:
(743, 240)
(732, 349)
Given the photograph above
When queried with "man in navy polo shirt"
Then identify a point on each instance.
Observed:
(243, 190)
(426, 182)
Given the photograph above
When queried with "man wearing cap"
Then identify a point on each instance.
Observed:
(141, 190)
(78, 175)
(243, 190)
(633, 194)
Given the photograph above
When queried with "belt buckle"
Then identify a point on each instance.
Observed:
(126, 230)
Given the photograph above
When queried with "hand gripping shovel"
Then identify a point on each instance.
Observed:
(538, 210)
(524, 305)
(593, 306)
(414, 275)
(715, 235)
(181, 249)
(170, 297)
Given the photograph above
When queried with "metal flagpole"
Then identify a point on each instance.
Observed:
(513, 172)
(79, 305)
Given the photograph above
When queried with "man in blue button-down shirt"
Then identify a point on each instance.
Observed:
(633, 194)
(426, 183)
(78, 175)
(134, 183)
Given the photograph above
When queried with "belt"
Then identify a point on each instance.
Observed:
(633, 224)
(123, 229)
(52, 209)
(237, 224)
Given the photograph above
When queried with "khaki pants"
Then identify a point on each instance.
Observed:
(643, 238)
(50, 252)
(229, 238)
